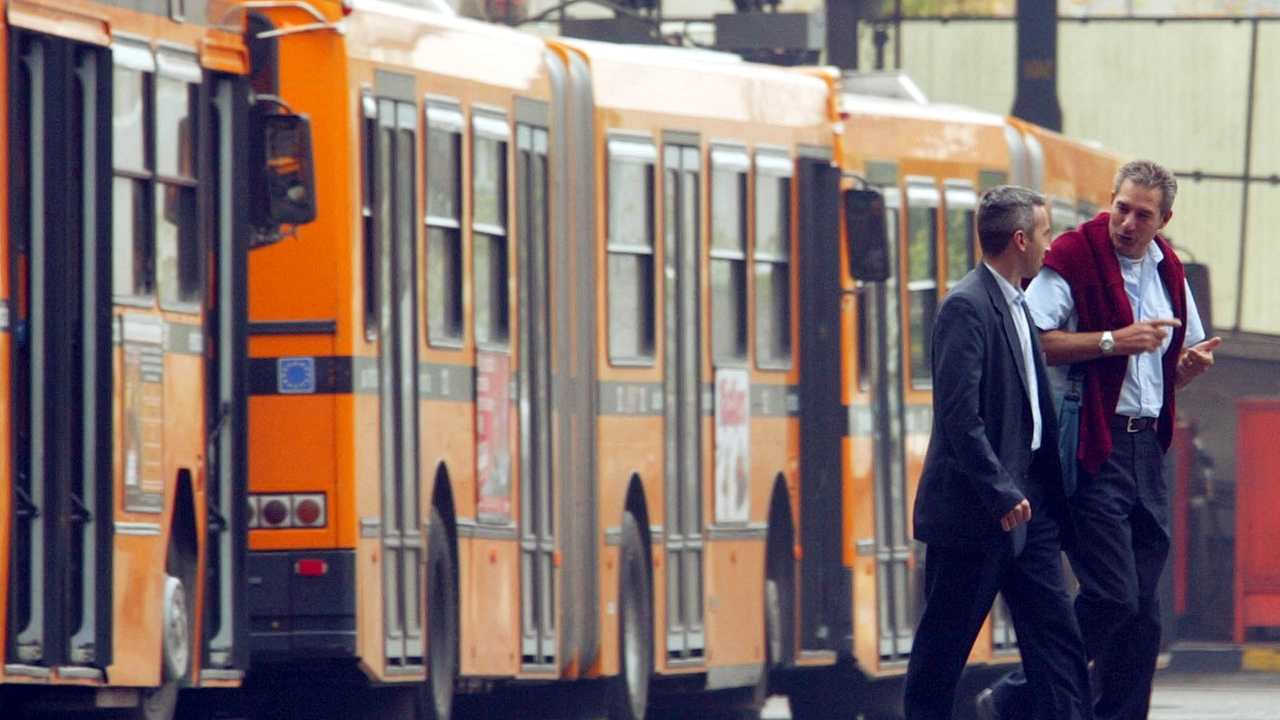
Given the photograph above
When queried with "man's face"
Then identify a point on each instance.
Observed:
(1135, 218)
(1037, 244)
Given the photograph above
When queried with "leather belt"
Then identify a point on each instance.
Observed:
(1130, 424)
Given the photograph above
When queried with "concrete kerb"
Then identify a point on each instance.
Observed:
(1199, 657)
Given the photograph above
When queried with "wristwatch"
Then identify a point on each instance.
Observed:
(1107, 343)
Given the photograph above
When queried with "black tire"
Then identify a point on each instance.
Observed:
(629, 699)
(442, 623)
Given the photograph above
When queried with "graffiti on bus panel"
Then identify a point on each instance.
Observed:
(143, 431)
(733, 446)
(493, 434)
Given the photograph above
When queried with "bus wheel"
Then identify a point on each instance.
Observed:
(161, 703)
(177, 631)
(630, 692)
(772, 626)
(442, 623)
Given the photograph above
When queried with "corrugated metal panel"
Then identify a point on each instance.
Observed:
(1175, 92)
(970, 63)
(1206, 222)
(1261, 292)
(1266, 109)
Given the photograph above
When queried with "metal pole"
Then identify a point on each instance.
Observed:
(842, 34)
(897, 35)
(1248, 168)
(1036, 100)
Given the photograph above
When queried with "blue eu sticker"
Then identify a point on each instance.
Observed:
(296, 375)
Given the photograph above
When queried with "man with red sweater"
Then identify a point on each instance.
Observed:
(1112, 297)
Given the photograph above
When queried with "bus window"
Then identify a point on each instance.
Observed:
(772, 260)
(178, 276)
(961, 202)
(729, 166)
(444, 224)
(368, 177)
(922, 276)
(630, 243)
(489, 225)
(133, 264)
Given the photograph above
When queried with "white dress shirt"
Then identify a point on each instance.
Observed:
(1013, 296)
(1052, 308)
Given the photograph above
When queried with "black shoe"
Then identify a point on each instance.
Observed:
(985, 704)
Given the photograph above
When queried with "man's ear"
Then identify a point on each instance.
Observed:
(1020, 240)
(1167, 217)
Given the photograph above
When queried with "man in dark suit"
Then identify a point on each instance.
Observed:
(991, 505)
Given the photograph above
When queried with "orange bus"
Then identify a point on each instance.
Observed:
(525, 404)
(136, 173)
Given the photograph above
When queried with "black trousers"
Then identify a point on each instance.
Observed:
(960, 587)
(1122, 523)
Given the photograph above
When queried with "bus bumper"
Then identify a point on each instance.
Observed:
(302, 604)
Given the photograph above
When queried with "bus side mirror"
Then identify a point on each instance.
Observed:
(866, 235)
(290, 185)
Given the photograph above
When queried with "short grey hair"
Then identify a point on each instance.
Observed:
(1002, 211)
(1152, 175)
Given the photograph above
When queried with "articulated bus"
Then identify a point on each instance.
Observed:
(135, 160)
(598, 363)
(524, 404)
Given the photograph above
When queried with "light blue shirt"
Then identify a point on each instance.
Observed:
(1014, 297)
(1052, 308)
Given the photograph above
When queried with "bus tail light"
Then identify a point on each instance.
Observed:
(300, 510)
(275, 511)
(308, 510)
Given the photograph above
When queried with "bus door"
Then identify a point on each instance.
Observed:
(537, 530)
(224, 629)
(682, 391)
(896, 594)
(58, 318)
(395, 113)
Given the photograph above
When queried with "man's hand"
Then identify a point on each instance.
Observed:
(1195, 360)
(1019, 515)
(1143, 337)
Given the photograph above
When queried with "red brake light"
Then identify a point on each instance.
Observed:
(308, 511)
(311, 568)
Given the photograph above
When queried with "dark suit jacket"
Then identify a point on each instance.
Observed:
(979, 456)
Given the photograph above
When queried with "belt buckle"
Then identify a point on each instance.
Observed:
(1134, 424)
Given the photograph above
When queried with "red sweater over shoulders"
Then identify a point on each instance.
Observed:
(1088, 262)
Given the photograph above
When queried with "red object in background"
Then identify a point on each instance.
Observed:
(1184, 458)
(1257, 515)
